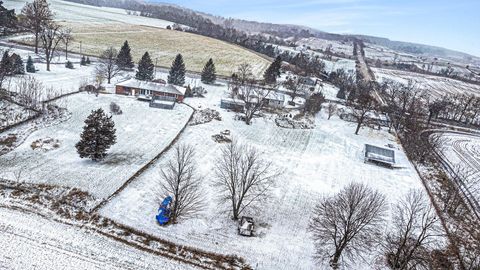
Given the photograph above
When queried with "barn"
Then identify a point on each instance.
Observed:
(379, 155)
(145, 90)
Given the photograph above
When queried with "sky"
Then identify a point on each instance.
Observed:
(445, 23)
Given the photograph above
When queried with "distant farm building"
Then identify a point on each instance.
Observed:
(150, 91)
(379, 155)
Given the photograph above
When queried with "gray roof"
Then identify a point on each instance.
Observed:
(152, 86)
(380, 154)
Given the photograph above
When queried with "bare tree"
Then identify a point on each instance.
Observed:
(181, 181)
(348, 223)
(29, 92)
(67, 38)
(331, 109)
(107, 66)
(37, 15)
(51, 35)
(243, 177)
(245, 87)
(295, 86)
(364, 105)
(414, 235)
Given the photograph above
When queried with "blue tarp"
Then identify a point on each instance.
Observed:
(163, 215)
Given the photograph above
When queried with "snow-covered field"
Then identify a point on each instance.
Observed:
(336, 46)
(95, 29)
(463, 154)
(434, 85)
(11, 113)
(73, 12)
(315, 162)
(32, 242)
(142, 133)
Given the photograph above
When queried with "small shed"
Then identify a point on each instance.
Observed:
(379, 155)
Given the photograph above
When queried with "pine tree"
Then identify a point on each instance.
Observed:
(124, 58)
(209, 75)
(188, 91)
(83, 62)
(145, 68)
(6, 64)
(69, 65)
(88, 62)
(97, 137)
(177, 71)
(273, 71)
(30, 65)
(17, 64)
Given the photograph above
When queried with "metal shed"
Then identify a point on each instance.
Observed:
(379, 155)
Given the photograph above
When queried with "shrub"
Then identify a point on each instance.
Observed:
(115, 109)
(69, 65)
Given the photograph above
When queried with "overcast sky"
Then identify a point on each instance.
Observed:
(445, 23)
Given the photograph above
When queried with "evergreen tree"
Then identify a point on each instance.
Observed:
(97, 137)
(83, 62)
(17, 64)
(145, 68)
(30, 65)
(209, 75)
(273, 71)
(188, 91)
(88, 62)
(69, 65)
(6, 64)
(124, 58)
(341, 93)
(177, 71)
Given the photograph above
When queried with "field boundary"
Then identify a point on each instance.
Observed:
(144, 167)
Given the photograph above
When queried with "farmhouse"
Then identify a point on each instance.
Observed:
(150, 90)
(379, 155)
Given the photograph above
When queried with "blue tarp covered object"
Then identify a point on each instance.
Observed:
(163, 215)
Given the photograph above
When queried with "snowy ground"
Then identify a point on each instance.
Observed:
(11, 113)
(315, 162)
(434, 85)
(33, 242)
(336, 46)
(463, 154)
(142, 133)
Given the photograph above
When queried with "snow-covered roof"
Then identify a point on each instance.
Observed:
(275, 96)
(233, 101)
(379, 154)
(152, 86)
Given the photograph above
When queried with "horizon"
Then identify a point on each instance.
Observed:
(451, 28)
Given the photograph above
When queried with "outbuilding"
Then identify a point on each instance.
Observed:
(146, 90)
(379, 155)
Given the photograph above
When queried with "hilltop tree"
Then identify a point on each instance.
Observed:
(30, 65)
(97, 137)
(107, 66)
(145, 68)
(37, 15)
(209, 75)
(273, 71)
(177, 71)
(124, 58)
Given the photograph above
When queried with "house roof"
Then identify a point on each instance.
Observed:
(153, 86)
(379, 154)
